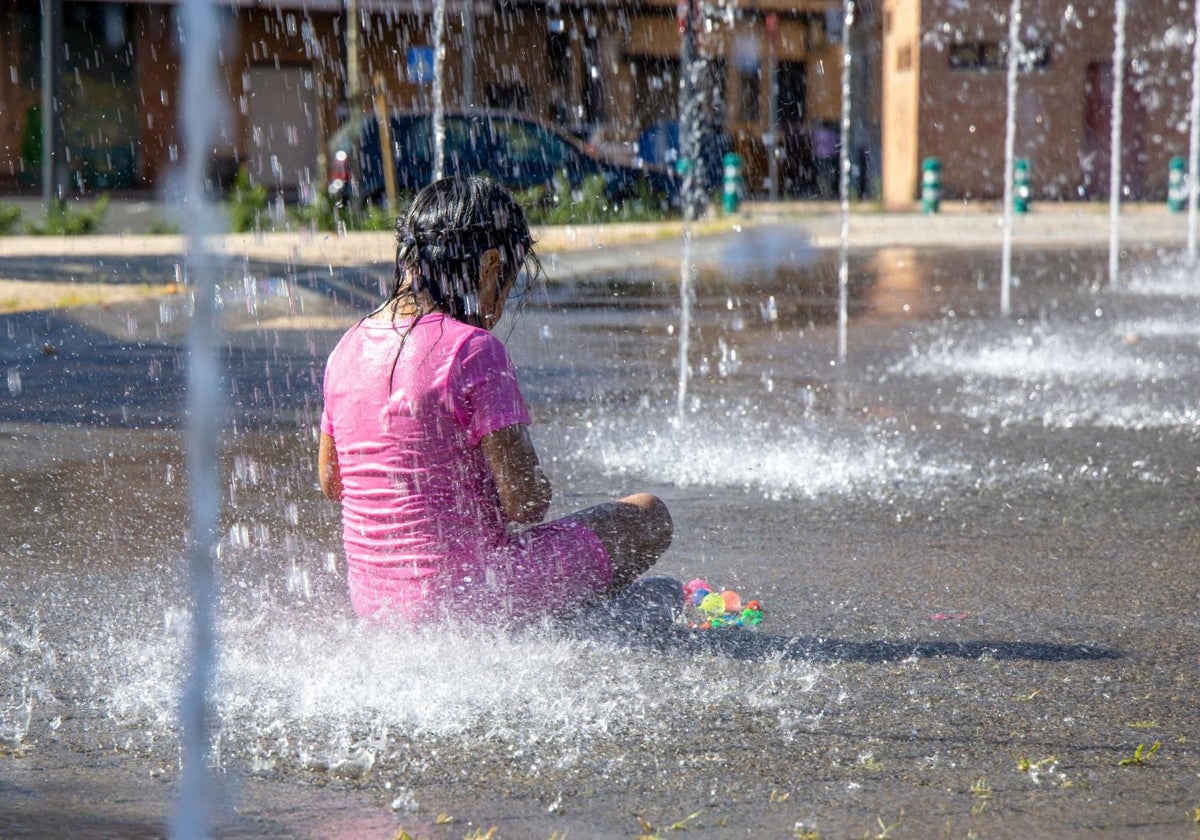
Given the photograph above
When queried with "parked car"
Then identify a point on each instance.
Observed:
(518, 151)
(658, 144)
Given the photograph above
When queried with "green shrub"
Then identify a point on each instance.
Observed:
(645, 206)
(63, 219)
(322, 215)
(163, 226)
(587, 204)
(317, 216)
(558, 204)
(247, 203)
(31, 145)
(372, 217)
(9, 216)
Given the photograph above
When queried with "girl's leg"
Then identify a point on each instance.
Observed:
(635, 531)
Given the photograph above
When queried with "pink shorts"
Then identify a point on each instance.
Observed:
(543, 570)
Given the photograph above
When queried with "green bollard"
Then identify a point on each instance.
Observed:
(931, 185)
(1021, 186)
(1177, 186)
(731, 186)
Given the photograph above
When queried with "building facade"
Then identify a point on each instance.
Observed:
(945, 95)
(293, 70)
(928, 80)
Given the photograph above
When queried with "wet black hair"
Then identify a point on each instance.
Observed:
(441, 239)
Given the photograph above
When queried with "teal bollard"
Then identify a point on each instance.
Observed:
(1177, 185)
(931, 185)
(1021, 186)
(731, 187)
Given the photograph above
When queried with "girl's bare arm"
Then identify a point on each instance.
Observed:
(327, 469)
(523, 488)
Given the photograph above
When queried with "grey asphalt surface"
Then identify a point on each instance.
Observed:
(976, 541)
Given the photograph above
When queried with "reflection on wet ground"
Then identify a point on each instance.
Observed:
(975, 540)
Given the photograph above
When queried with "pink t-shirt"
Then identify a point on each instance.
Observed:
(423, 530)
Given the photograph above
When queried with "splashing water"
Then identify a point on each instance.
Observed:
(1124, 375)
(755, 450)
(1043, 355)
(1171, 278)
(295, 691)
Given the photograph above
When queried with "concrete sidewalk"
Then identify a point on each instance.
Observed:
(125, 231)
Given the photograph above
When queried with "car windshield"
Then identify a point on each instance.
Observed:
(529, 146)
(520, 153)
(413, 138)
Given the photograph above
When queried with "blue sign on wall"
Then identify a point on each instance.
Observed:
(420, 65)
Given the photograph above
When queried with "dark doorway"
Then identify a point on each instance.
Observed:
(798, 170)
(99, 95)
(1096, 151)
(793, 90)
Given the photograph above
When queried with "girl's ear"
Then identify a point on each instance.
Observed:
(489, 269)
(491, 290)
(490, 261)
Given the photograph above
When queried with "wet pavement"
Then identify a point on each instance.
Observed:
(975, 538)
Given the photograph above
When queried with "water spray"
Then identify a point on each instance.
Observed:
(200, 28)
(689, 154)
(439, 95)
(1194, 141)
(1010, 131)
(844, 185)
(1114, 185)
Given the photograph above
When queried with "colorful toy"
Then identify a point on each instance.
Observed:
(694, 591)
(705, 608)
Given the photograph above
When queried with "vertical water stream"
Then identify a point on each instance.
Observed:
(691, 190)
(439, 93)
(1118, 105)
(1194, 142)
(199, 117)
(685, 320)
(844, 185)
(1010, 133)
